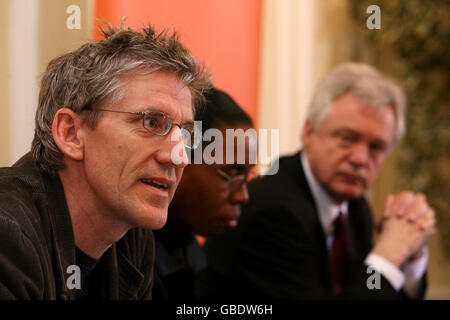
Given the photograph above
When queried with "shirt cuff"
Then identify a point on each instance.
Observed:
(414, 272)
(393, 274)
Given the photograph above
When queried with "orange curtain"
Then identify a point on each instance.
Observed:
(223, 34)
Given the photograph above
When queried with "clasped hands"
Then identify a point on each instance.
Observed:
(407, 223)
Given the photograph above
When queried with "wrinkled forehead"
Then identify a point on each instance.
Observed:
(160, 80)
(157, 90)
(350, 112)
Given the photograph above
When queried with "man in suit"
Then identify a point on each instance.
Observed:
(207, 202)
(306, 231)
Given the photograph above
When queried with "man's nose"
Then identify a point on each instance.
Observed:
(240, 195)
(172, 151)
(359, 155)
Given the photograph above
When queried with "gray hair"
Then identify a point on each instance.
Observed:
(93, 73)
(366, 83)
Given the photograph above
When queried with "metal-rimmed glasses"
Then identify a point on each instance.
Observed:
(233, 181)
(160, 124)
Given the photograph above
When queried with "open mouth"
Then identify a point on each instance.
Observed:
(156, 184)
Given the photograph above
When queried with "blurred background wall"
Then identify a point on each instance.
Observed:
(5, 76)
(34, 32)
(268, 54)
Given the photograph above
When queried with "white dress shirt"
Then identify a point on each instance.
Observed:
(408, 277)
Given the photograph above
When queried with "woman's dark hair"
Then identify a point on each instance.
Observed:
(220, 110)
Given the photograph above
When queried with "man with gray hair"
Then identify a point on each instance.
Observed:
(76, 213)
(306, 232)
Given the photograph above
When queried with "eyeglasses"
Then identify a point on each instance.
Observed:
(159, 123)
(233, 181)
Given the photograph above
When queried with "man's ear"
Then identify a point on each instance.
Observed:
(67, 133)
(307, 132)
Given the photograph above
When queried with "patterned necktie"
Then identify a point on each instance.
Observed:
(338, 253)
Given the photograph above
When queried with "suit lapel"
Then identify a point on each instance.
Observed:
(308, 214)
(360, 231)
(63, 243)
(122, 279)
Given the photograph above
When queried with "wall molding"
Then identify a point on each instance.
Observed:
(24, 78)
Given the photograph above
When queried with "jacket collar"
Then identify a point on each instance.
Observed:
(63, 242)
(292, 167)
(328, 210)
(120, 278)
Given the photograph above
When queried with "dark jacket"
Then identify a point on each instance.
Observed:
(179, 258)
(278, 250)
(37, 244)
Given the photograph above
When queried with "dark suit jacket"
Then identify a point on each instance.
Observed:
(179, 258)
(279, 251)
(37, 244)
